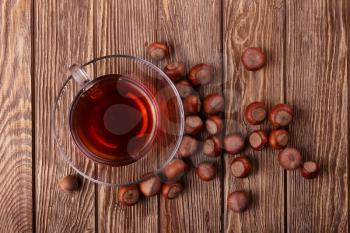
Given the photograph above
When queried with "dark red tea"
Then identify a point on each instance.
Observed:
(113, 120)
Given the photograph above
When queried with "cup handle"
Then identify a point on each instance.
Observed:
(79, 74)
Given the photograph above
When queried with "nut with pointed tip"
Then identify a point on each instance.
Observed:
(184, 88)
(278, 139)
(258, 140)
(206, 171)
(281, 115)
(289, 158)
(214, 125)
(193, 125)
(309, 170)
(172, 190)
(151, 186)
(175, 70)
(253, 58)
(255, 113)
(175, 170)
(241, 167)
(192, 104)
(233, 143)
(200, 74)
(188, 147)
(128, 195)
(213, 104)
(212, 146)
(239, 201)
(158, 50)
(68, 184)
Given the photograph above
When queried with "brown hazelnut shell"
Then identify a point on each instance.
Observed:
(175, 70)
(309, 170)
(214, 124)
(278, 139)
(206, 171)
(281, 115)
(233, 143)
(213, 104)
(172, 190)
(200, 74)
(258, 140)
(253, 58)
(255, 113)
(289, 158)
(158, 50)
(239, 201)
(212, 146)
(241, 167)
(128, 195)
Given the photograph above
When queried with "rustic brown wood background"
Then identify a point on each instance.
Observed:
(307, 42)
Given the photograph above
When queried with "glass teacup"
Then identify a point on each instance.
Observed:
(117, 118)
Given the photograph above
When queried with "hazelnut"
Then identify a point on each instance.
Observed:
(253, 59)
(233, 143)
(200, 74)
(214, 125)
(188, 147)
(175, 170)
(175, 70)
(289, 158)
(213, 104)
(238, 201)
(68, 184)
(258, 140)
(255, 113)
(278, 139)
(281, 115)
(309, 170)
(172, 190)
(241, 167)
(151, 186)
(206, 171)
(212, 146)
(158, 50)
(184, 88)
(193, 125)
(128, 195)
(192, 104)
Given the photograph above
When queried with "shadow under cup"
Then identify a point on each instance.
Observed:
(125, 122)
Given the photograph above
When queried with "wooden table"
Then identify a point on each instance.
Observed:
(307, 43)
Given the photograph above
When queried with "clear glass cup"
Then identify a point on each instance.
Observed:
(170, 120)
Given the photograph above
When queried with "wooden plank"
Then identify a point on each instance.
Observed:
(63, 36)
(15, 117)
(193, 29)
(254, 24)
(124, 27)
(317, 85)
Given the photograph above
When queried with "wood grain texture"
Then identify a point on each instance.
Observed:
(307, 43)
(125, 27)
(63, 36)
(193, 29)
(254, 24)
(15, 117)
(317, 55)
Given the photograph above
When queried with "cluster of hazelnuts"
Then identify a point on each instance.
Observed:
(289, 158)
(211, 105)
(195, 108)
(280, 117)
